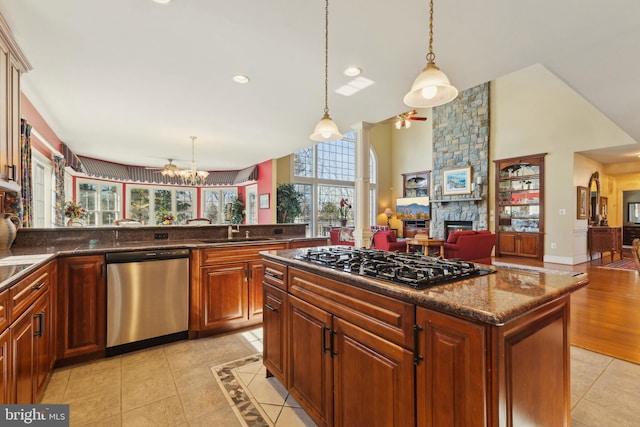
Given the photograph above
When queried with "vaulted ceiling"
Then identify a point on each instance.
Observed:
(130, 81)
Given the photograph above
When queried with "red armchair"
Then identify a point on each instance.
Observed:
(341, 236)
(470, 245)
(386, 240)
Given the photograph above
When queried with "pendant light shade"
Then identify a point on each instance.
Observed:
(326, 129)
(431, 88)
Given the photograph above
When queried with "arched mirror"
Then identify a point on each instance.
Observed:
(594, 198)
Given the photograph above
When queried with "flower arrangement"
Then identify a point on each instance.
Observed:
(168, 219)
(73, 211)
(344, 208)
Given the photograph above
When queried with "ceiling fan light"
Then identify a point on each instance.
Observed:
(326, 130)
(435, 84)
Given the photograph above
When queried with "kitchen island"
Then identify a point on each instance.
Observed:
(486, 350)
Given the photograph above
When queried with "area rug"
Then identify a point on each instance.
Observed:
(623, 264)
(247, 411)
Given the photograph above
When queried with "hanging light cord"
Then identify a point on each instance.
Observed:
(430, 56)
(326, 57)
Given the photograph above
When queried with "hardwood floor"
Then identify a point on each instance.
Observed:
(605, 315)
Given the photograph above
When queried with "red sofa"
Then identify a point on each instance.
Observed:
(470, 245)
(341, 236)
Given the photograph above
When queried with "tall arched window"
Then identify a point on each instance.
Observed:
(325, 174)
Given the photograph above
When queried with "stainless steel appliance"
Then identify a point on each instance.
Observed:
(417, 271)
(147, 298)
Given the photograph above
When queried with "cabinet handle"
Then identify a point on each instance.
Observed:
(270, 307)
(417, 357)
(332, 334)
(37, 286)
(11, 172)
(40, 331)
(324, 339)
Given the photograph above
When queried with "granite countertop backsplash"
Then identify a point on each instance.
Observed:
(34, 247)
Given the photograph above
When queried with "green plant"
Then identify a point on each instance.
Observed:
(237, 211)
(288, 203)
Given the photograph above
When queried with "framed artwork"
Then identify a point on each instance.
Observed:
(264, 201)
(583, 198)
(413, 208)
(456, 181)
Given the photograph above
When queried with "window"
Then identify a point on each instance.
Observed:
(214, 203)
(101, 201)
(43, 195)
(324, 174)
(149, 204)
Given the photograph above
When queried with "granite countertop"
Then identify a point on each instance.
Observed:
(494, 298)
(18, 262)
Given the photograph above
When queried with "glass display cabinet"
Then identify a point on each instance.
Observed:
(520, 206)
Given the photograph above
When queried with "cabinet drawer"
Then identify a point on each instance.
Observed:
(237, 253)
(381, 315)
(24, 293)
(4, 310)
(275, 274)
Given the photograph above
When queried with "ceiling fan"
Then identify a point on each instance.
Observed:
(403, 121)
(169, 169)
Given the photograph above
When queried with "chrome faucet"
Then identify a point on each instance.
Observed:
(231, 231)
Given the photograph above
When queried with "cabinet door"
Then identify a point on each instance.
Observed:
(507, 243)
(274, 328)
(22, 359)
(82, 305)
(451, 379)
(373, 379)
(42, 343)
(310, 363)
(5, 367)
(256, 273)
(224, 294)
(530, 245)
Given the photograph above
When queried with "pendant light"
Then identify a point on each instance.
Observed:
(194, 176)
(326, 129)
(431, 88)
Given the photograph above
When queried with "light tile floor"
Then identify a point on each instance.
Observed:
(174, 385)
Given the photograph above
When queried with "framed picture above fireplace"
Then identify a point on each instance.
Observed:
(456, 181)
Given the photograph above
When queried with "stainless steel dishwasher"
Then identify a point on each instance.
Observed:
(147, 298)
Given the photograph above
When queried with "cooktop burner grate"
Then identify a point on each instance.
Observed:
(409, 269)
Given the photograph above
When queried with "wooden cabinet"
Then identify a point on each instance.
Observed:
(12, 65)
(30, 337)
(82, 304)
(451, 378)
(5, 367)
(604, 239)
(274, 330)
(520, 206)
(226, 288)
(416, 184)
(630, 232)
(350, 359)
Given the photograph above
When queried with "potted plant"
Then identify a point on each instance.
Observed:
(236, 211)
(344, 209)
(288, 203)
(74, 212)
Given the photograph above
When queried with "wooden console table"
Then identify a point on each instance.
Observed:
(604, 239)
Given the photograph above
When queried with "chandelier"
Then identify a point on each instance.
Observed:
(326, 129)
(431, 88)
(193, 176)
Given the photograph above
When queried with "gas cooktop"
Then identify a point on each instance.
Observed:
(417, 271)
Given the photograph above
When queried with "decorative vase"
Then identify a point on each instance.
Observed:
(8, 230)
(343, 222)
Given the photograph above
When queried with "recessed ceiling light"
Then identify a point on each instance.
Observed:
(162, 1)
(242, 79)
(352, 71)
